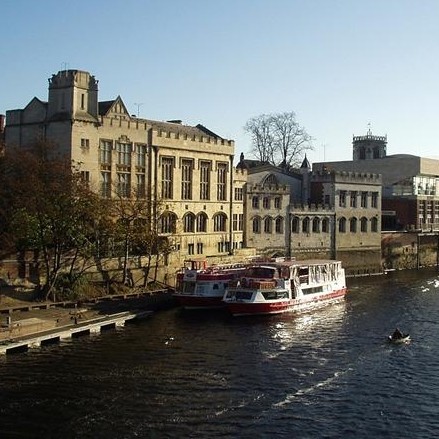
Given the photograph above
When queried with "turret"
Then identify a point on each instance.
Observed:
(369, 146)
(73, 94)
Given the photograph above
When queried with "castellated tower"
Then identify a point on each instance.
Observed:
(369, 146)
(73, 94)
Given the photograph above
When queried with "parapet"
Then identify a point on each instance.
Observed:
(346, 176)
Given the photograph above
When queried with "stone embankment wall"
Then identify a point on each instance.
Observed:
(408, 250)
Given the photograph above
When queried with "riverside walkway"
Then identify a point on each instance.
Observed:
(24, 326)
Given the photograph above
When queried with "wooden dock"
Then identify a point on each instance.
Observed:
(50, 336)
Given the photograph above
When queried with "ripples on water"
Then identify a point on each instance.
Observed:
(323, 374)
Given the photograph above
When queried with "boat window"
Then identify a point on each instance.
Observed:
(272, 295)
(313, 290)
(260, 272)
(188, 287)
(215, 286)
(243, 295)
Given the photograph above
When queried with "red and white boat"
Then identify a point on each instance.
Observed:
(286, 285)
(201, 287)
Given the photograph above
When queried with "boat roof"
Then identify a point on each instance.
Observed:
(295, 262)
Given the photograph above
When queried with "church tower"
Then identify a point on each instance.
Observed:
(73, 94)
(369, 146)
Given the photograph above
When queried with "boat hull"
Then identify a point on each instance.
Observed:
(280, 306)
(199, 302)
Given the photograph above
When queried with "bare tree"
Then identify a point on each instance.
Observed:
(278, 139)
(136, 229)
(261, 130)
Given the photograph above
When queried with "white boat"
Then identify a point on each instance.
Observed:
(400, 340)
(286, 285)
(202, 287)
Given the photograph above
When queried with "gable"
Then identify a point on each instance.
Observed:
(114, 108)
(35, 111)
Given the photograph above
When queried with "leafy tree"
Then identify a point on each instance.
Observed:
(46, 207)
(278, 139)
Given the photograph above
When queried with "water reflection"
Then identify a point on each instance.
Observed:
(326, 373)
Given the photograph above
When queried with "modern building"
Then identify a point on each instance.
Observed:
(410, 184)
(189, 169)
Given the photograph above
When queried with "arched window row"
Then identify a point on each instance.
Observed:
(353, 225)
(192, 223)
(308, 225)
(268, 224)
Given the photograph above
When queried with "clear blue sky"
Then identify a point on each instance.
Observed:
(339, 64)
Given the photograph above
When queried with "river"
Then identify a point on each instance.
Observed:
(325, 374)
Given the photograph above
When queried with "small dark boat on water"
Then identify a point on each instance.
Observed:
(399, 338)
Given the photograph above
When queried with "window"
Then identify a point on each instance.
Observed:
(186, 179)
(85, 177)
(105, 152)
(238, 194)
(190, 249)
(374, 200)
(123, 185)
(82, 101)
(279, 225)
(268, 224)
(295, 225)
(342, 199)
(353, 225)
(201, 222)
(316, 225)
(239, 222)
(305, 225)
(189, 223)
(363, 224)
(255, 202)
(141, 186)
(353, 198)
(363, 199)
(256, 225)
(342, 225)
(223, 246)
(123, 153)
(374, 224)
(167, 177)
(219, 222)
(85, 143)
(271, 179)
(199, 248)
(235, 222)
(327, 200)
(278, 203)
(168, 223)
(205, 180)
(266, 203)
(222, 182)
(325, 225)
(105, 184)
(141, 156)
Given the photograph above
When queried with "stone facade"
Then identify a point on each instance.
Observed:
(210, 210)
(315, 215)
(188, 169)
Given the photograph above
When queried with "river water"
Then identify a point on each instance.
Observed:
(325, 374)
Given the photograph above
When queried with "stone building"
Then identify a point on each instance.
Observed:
(307, 214)
(188, 168)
